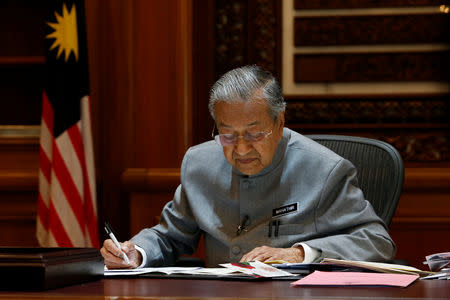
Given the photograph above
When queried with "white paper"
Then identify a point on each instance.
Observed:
(257, 268)
(164, 270)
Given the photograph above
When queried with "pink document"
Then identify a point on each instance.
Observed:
(356, 278)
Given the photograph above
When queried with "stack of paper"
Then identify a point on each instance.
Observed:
(376, 267)
(257, 268)
(250, 269)
(440, 263)
(162, 270)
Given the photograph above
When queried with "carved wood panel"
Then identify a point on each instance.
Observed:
(247, 32)
(401, 110)
(330, 4)
(364, 30)
(374, 67)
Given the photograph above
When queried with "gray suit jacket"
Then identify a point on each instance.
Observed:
(311, 191)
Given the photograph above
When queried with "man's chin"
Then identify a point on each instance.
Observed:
(249, 169)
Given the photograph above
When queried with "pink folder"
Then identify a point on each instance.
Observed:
(356, 279)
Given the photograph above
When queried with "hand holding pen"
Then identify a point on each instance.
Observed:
(116, 243)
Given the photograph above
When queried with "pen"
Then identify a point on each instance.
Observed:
(270, 228)
(277, 225)
(116, 242)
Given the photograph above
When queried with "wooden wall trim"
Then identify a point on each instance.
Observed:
(184, 67)
(22, 180)
(419, 221)
(163, 179)
(150, 179)
(426, 179)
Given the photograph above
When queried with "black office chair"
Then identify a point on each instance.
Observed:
(380, 169)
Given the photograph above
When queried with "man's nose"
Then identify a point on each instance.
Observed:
(242, 147)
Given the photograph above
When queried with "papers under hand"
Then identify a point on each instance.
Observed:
(256, 268)
(356, 279)
(171, 271)
(251, 269)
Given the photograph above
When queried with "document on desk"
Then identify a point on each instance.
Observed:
(321, 278)
(162, 270)
(375, 266)
(252, 269)
(257, 268)
(438, 261)
(173, 271)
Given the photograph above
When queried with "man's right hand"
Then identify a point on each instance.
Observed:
(113, 257)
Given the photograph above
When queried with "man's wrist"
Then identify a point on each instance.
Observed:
(143, 256)
(309, 254)
(299, 253)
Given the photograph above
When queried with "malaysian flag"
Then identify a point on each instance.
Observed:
(67, 210)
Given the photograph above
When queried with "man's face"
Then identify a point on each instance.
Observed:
(251, 117)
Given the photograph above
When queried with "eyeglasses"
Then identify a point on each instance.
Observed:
(229, 139)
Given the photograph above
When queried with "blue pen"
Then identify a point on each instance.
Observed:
(116, 242)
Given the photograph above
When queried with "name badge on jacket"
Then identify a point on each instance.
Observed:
(285, 210)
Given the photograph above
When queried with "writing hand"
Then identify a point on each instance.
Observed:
(113, 255)
(265, 253)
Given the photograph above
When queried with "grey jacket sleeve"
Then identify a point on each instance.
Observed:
(349, 227)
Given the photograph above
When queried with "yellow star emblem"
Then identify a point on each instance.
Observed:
(65, 34)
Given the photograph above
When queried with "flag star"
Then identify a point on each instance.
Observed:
(65, 34)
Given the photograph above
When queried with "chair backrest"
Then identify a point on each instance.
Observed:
(380, 169)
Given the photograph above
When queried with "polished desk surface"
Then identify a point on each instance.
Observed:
(151, 288)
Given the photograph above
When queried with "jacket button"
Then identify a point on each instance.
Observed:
(236, 249)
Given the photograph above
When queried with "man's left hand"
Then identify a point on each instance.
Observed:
(265, 253)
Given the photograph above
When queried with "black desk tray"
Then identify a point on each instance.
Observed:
(47, 268)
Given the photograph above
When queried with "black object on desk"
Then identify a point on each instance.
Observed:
(48, 268)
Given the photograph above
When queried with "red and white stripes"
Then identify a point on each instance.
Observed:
(67, 211)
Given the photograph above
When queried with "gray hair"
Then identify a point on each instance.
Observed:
(246, 84)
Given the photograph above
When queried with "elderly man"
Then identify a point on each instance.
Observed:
(259, 191)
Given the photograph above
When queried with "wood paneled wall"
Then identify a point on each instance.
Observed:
(140, 54)
(19, 163)
(21, 68)
(421, 224)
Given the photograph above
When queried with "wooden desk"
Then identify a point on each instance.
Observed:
(147, 288)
